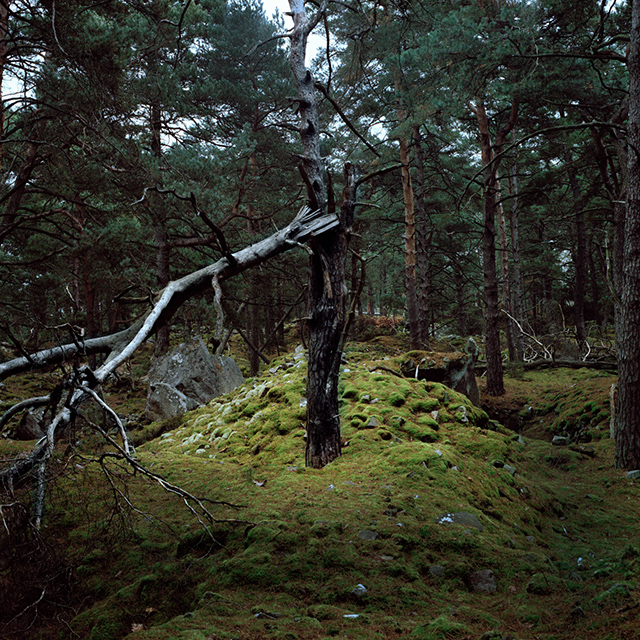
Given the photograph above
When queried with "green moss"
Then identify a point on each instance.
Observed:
(421, 432)
(424, 405)
(543, 584)
(439, 629)
(350, 392)
(396, 399)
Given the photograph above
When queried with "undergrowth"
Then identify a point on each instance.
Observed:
(382, 543)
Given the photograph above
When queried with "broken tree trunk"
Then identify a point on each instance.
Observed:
(327, 290)
(121, 346)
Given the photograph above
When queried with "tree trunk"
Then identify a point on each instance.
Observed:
(409, 247)
(495, 382)
(627, 428)
(580, 259)
(505, 276)
(163, 258)
(327, 312)
(409, 225)
(327, 298)
(516, 278)
(422, 244)
(461, 307)
(160, 235)
(593, 282)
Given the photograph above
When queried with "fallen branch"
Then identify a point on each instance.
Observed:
(569, 364)
(121, 346)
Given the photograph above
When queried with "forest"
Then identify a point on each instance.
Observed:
(401, 174)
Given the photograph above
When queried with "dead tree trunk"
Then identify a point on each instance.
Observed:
(327, 295)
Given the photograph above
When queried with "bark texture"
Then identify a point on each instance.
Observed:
(495, 381)
(327, 291)
(327, 311)
(627, 428)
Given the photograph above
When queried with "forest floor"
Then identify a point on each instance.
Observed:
(438, 521)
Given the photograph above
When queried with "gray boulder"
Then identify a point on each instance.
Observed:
(187, 378)
(31, 425)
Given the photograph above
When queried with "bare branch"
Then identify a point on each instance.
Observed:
(39, 401)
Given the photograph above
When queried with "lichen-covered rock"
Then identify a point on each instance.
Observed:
(187, 378)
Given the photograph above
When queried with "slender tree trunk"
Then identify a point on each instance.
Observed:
(505, 276)
(580, 260)
(461, 307)
(516, 278)
(495, 382)
(160, 235)
(593, 282)
(627, 426)
(254, 328)
(422, 244)
(409, 247)
(409, 226)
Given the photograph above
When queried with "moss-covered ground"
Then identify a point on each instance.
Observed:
(359, 549)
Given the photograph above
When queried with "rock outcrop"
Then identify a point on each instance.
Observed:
(456, 370)
(187, 378)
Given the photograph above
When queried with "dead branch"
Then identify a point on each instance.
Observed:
(120, 346)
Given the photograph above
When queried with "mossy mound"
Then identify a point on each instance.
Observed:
(264, 420)
(381, 543)
(581, 410)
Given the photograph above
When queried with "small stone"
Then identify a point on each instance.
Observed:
(366, 398)
(560, 441)
(351, 616)
(373, 423)
(365, 534)
(360, 590)
(633, 475)
(531, 539)
(436, 570)
(482, 581)
(462, 518)
(510, 469)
